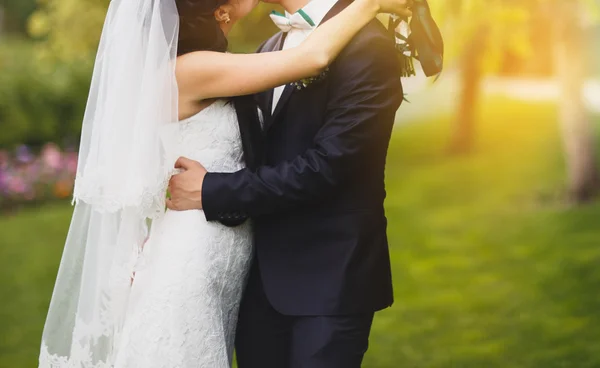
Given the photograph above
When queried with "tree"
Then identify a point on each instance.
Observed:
(482, 33)
(14, 15)
(47, 81)
(486, 29)
(572, 68)
(70, 29)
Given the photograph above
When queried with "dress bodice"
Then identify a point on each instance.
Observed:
(212, 137)
(184, 303)
(183, 296)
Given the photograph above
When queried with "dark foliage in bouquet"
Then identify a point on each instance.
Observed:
(418, 38)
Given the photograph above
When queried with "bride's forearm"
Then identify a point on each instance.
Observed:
(328, 40)
(203, 75)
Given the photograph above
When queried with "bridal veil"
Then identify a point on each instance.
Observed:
(121, 181)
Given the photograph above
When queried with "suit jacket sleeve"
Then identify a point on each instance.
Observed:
(364, 90)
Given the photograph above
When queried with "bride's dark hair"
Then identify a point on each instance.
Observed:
(198, 28)
(200, 31)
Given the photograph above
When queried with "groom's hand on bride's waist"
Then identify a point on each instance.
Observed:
(186, 188)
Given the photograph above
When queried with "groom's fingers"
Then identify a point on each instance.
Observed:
(184, 163)
(171, 205)
(405, 6)
(179, 205)
(404, 13)
(172, 183)
(187, 164)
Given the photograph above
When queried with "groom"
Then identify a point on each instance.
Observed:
(322, 264)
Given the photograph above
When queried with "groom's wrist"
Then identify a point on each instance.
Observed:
(222, 197)
(209, 201)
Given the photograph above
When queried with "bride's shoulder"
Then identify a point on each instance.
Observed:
(196, 58)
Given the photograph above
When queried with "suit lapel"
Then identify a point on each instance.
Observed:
(267, 96)
(289, 89)
(285, 96)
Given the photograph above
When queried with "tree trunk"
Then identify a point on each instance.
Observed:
(470, 74)
(576, 127)
(1, 20)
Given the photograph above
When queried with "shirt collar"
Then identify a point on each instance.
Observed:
(316, 10)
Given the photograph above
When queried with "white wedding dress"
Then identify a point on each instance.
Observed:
(181, 309)
(185, 297)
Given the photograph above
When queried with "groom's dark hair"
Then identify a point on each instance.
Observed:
(198, 28)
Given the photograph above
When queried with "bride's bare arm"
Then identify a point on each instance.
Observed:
(204, 75)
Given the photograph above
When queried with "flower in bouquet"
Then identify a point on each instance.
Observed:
(306, 82)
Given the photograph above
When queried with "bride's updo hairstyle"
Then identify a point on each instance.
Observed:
(198, 28)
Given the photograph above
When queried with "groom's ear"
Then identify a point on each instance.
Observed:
(223, 13)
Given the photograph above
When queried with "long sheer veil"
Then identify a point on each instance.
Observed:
(121, 181)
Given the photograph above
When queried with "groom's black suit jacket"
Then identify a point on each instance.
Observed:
(317, 200)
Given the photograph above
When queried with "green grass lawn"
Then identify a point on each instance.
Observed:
(491, 269)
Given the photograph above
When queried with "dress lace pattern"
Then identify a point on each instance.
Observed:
(182, 307)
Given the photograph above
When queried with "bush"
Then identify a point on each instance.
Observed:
(39, 101)
(27, 176)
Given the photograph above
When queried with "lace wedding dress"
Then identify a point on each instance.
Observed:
(183, 303)
(186, 292)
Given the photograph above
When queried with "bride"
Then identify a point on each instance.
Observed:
(132, 295)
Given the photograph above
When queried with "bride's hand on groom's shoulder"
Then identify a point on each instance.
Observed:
(399, 7)
(186, 188)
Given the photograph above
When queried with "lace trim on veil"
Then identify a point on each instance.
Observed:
(148, 202)
(83, 359)
(101, 336)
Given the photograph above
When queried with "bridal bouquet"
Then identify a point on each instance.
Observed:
(418, 38)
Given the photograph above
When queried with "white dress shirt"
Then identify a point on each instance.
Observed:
(316, 10)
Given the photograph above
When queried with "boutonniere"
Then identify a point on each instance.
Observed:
(304, 83)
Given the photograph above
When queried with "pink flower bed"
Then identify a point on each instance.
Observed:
(27, 177)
